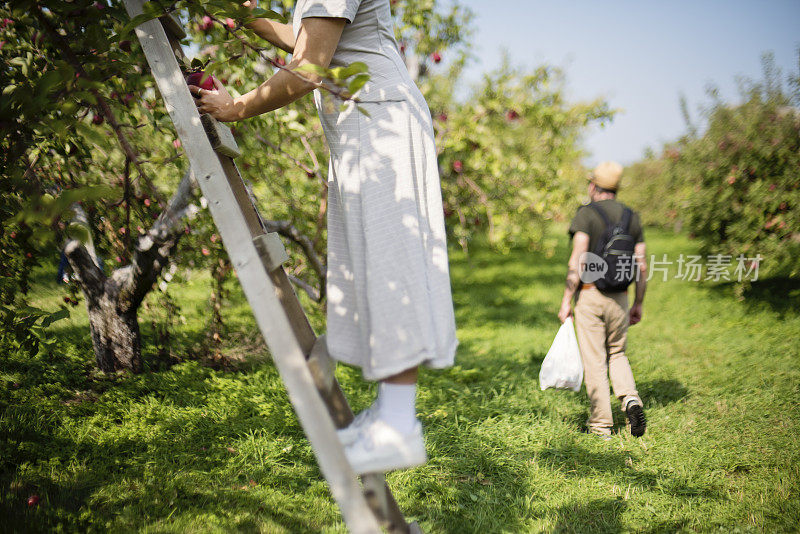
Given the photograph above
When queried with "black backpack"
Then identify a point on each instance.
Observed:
(616, 247)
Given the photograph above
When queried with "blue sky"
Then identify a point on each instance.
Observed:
(639, 55)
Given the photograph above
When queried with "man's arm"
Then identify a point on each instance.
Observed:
(580, 245)
(640, 254)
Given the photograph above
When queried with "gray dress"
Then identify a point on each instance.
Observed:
(389, 301)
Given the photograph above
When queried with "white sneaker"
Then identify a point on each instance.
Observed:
(349, 434)
(380, 448)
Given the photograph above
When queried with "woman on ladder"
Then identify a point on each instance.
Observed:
(390, 308)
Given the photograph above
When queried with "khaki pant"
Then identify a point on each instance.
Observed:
(601, 325)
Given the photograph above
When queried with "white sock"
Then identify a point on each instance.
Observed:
(396, 406)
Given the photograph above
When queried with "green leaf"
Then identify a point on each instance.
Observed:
(313, 69)
(260, 13)
(46, 83)
(354, 68)
(364, 112)
(357, 83)
(150, 11)
(78, 232)
(63, 313)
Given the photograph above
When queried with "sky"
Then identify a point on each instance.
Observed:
(638, 55)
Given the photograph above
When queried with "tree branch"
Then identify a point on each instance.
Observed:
(289, 231)
(154, 249)
(313, 293)
(90, 277)
(102, 104)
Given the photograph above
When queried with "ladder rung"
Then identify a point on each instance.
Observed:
(271, 250)
(221, 137)
(172, 26)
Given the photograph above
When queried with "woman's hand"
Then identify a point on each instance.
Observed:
(216, 102)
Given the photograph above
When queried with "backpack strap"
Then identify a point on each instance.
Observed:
(625, 222)
(602, 214)
(601, 243)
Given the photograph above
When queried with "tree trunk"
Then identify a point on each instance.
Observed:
(115, 337)
(113, 301)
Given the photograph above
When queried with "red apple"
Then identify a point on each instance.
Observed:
(280, 61)
(13, 235)
(200, 79)
(442, 117)
(33, 500)
(176, 143)
(230, 23)
(206, 23)
(205, 251)
(97, 119)
(147, 202)
(512, 115)
(437, 57)
(458, 166)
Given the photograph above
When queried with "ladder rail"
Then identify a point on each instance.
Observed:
(272, 298)
(270, 316)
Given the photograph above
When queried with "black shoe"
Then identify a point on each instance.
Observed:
(636, 418)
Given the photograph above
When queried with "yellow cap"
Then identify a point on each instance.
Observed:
(607, 175)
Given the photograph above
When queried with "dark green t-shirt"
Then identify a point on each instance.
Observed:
(587, 220)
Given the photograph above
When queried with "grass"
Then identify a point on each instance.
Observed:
(186, 447)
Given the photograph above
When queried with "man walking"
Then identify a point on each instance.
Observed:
(608, 253)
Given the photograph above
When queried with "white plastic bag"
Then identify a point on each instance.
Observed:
(562, 367)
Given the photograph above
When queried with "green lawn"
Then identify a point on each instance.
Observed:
(187, 447)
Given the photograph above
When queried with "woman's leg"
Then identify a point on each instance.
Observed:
(407, 377)
(397, 396)
(392, 438)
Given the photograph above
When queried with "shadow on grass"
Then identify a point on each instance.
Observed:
(474, 480)
(661, 392)
(599, 515)
(779, 294)
(654, 393)
(494, 296)
(578, 462)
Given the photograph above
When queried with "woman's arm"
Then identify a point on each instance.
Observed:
(316, 44)
(280, 35)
